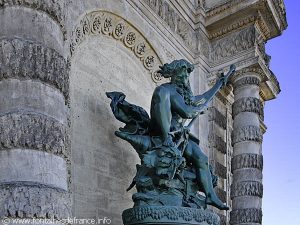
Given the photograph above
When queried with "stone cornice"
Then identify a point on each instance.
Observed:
(269, 15)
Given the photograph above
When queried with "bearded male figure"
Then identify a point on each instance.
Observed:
(173, 103)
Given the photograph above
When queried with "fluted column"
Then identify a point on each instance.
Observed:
(247, 161)
(34, 155)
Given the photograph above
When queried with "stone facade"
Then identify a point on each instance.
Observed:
(58, 154)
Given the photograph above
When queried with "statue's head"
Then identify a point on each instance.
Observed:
(178, 70)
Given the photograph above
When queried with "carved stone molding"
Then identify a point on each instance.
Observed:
(247, 188)
(220, 8)
(111, 25)
(218, 143)
(33, 131)
(234, 26)
(232, 44)
(247, 161)
(29, 60)
(246, 216)
(216, 116)
(174, 20)
(250, 80)
(220, 170)
(54, 8)
(248, 104)
(247, 133)
(169, 215)
(34, 202)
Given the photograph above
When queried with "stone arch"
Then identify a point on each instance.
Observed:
(106, 23)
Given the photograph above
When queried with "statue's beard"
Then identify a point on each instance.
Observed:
(184, 90)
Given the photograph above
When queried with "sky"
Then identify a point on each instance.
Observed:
(281, 146)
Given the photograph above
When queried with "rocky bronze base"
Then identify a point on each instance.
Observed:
(160, 215)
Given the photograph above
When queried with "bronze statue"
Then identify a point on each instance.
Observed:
(173, 167)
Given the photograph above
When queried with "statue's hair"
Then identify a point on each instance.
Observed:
(169, 69)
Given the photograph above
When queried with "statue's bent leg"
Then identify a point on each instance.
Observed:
(199, 160)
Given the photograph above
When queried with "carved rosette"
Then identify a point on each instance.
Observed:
(248, 104)
(247, 188)
(30, 201)
(53, 8)
(246, 216)
(111, 25)
(247, 161)
(32, 131)
(247, 133)
(168, 215)
(23, 59)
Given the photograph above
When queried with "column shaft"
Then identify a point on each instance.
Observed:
(34, 178)
(246, 189)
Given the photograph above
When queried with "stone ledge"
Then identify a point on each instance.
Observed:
(169, 215)
(23, 59)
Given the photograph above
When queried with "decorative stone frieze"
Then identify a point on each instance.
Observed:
(247, 133)
(23, 59)
(248, 80)
(247, 188)
(27, 201)
(218, 143)
(246, 216)
(248, 104)
(53, 8)
(232, 44)
(111, 25)
(216, 116)
(220, 170)
(247, 161)
(220, 8)
(234, 26)
(32, 131)
(174, 20)
(169, 214)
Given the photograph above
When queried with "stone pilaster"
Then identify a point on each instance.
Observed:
(34, 157)
(247, 162)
